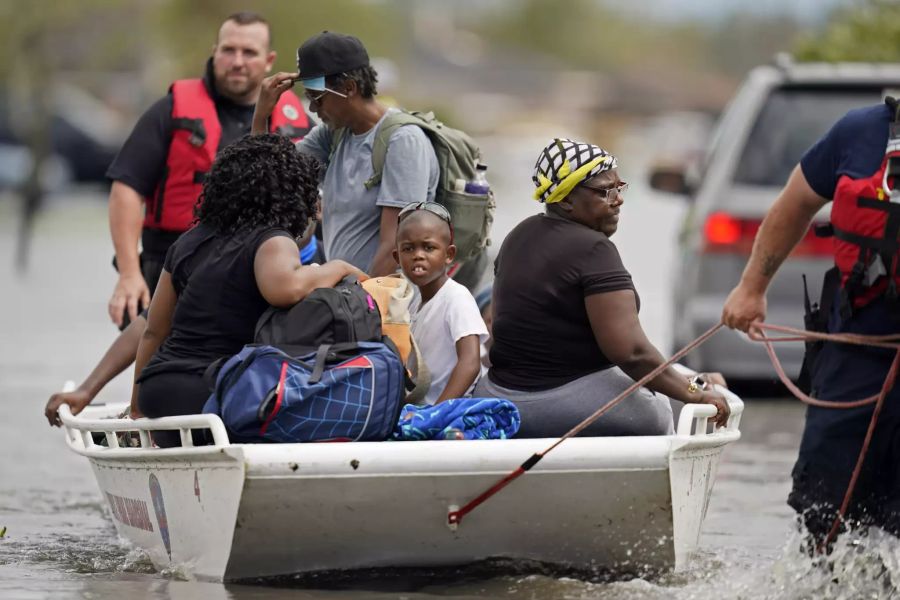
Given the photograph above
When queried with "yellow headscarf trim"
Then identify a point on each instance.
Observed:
(568, 180)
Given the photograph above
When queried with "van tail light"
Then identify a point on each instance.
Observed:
(727, 234)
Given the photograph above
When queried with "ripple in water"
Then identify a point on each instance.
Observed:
(864, 564)
(75, 554)
(72, 535)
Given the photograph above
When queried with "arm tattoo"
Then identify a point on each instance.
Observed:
(770, 264)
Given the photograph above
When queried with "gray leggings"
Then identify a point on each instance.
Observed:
(553, 412)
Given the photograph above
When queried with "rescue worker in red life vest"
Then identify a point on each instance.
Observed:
(161, 166)
(855, 166)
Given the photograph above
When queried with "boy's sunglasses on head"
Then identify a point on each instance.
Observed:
(433, 207)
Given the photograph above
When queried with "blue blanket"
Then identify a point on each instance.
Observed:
(459, 419)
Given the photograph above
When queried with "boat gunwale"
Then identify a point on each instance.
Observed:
(691, 433)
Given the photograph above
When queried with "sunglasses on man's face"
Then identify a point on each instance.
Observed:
(317, 99)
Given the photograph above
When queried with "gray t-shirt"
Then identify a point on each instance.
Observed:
(351, 214)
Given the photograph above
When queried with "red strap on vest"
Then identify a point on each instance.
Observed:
(289, 118)
(195, 141)
(866, 219)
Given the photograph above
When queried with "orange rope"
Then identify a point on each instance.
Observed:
(756, 333)
(888, 384)
(881, 341)
(456, 516)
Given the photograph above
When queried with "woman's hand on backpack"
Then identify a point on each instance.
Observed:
(348, 269)
(358, 273)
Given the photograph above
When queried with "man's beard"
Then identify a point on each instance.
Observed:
(238, 89)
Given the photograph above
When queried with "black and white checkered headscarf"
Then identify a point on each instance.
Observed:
(563, 164)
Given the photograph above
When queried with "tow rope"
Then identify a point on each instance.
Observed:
(757, 333)
(455, 517)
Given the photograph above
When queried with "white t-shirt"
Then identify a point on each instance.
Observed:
(437, 325)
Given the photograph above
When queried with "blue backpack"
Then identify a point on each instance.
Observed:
(342, 392)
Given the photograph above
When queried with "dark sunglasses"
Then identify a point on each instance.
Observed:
(433, 207)
(318, 99)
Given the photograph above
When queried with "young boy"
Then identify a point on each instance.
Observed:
(445, 321)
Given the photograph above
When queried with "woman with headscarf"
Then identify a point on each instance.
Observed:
(566, 333)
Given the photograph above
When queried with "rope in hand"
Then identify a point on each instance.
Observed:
(454, 517)
(757, 333)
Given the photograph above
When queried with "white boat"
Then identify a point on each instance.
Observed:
(233, 511)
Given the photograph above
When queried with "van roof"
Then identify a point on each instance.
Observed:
(840, 72)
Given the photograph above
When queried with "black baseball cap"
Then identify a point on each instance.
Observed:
(329, 53)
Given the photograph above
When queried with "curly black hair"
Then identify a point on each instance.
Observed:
(260, 181)
(366, 79)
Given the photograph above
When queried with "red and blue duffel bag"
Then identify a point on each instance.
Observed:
(341, 392)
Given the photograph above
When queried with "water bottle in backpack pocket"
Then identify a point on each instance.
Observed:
(348, 392)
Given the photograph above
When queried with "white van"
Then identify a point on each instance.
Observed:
(778, 113)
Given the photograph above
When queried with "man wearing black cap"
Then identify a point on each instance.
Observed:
(158, 174)
(359, 221)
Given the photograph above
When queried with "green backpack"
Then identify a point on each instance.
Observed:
(457, 155)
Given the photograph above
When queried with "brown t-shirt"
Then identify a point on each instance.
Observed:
(545, 269)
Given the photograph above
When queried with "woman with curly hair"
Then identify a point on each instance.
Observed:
(219, 277)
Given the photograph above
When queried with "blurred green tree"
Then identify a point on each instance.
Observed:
(40, 37)
(585, 34)
(187, 29)
(869, 31)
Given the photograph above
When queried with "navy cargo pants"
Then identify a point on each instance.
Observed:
(832, 438)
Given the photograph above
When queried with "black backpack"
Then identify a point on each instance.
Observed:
(338, 315)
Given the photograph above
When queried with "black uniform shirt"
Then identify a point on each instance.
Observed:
(141, 160)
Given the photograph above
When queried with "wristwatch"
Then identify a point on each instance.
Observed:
(697, 383)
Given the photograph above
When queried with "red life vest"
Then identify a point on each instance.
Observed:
(865, 216)
(195, 140)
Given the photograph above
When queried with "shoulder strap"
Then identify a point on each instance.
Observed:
(337, 136)
(383, 136)
(870, 243)
(319, 366)
(211, 372)
(191, 105)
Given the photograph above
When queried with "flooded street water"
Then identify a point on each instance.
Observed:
(60, 541)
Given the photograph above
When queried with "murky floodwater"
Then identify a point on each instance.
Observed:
(60, 541)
